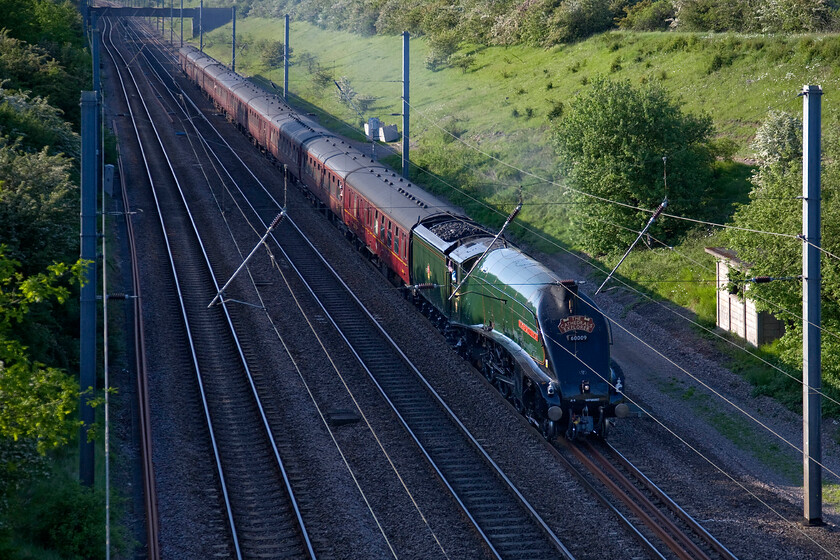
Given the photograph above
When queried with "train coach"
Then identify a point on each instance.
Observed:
(541, 343)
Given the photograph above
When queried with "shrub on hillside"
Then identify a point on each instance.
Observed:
(575, 20)
(717, 15)
(37, 199)
(794, 16)
(36, 123)
(648, 15)
(611, 142)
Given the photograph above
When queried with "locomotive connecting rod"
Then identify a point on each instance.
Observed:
(271, 227)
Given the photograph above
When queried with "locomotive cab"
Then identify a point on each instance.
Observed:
(576, 337)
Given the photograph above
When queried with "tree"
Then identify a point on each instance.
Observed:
(648, 15)
(272, 54)
(775, 207)
(575, 20)
(442, 46)
(34, 123)
(717, 15)
(27, 67)
(36, 402)
(37, 203)
(463, 61)
(794, 16)
(611, 142)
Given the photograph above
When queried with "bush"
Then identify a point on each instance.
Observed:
(575, 20)
(462, 61)
(443, 45)
(648, 15)
(556, 110)
(611, 144)
(794, 16)
(778, 139)
(272, 54)
(718, 15)
(66, 517)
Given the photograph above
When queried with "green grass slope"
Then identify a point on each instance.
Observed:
(502, 105)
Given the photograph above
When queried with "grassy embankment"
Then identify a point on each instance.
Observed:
(504, 104)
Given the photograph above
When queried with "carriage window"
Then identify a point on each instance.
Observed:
(397, 241)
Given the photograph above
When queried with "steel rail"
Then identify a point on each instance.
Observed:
(642, 507)
(243, 360)
(439, 400)
(191, 342)
(675, 508)
(623, 487)
(286, 481)
(144, 409)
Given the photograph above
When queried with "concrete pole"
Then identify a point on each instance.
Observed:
(286, 60)
(811, 355)
(182, 23)
(405, 111)
(87, 299)
(171, 23)
(200, 26)
(233, 49)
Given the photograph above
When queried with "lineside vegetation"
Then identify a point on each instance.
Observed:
(707, 71)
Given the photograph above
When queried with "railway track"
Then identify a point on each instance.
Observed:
(660, 524)
(510, 527)
(142, 378)
(472, 478)
(677, 532)
(263, 516)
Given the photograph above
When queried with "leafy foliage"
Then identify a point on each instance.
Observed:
(612, 141)
(35, 124)
(549, 22)
(35, 400)
(43, 66)
(66, 517)
(767, 16)
(47, 22)
(37, 203)
(648, 15)
(272, 53)
(774, 206)
(56, 72)
(717, 15)
(578, 19)
(794, 16)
